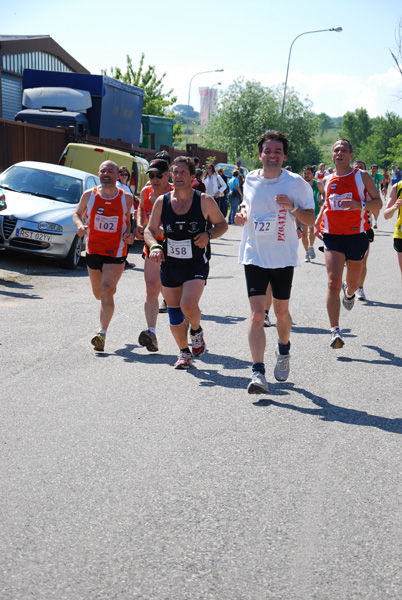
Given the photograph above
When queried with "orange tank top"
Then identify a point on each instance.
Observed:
(336, 220)
(106, 218)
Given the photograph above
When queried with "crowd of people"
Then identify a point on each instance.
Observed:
(183, 207)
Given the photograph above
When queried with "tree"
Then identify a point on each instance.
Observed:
(324, 123)
(356, 127)
(394, 154)
(247, 109)
(384, 131)
(156, 101)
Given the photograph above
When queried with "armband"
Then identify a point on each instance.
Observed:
(156, 247)
(294, 209)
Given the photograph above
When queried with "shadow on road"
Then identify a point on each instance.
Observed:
(388, 358)
(330, 412)
(227, 320)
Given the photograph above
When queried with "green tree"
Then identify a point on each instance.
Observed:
(324, 123)
(356, 127)
(156, 101)
(394, 154)
(384, 131)
(247, 109)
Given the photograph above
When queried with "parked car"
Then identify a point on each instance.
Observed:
(228, 169)
(41, 200)
(89, 157)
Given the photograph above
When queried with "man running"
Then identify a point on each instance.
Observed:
(308, 234)
(107, 227)
(273, 199)
(378, 178)
(342, 224)
(186, 217)
(321, 173)
(158, 173)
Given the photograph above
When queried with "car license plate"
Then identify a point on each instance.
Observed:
(39, 236)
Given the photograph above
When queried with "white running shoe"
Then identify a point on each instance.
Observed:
(267, 322)
(282, 366)
(360, 295)
(336, 339)
(307, 257)
(347, 302)
(258, 384)
(311, 251)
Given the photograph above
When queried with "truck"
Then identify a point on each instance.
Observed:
(157, 131)
(96, 105)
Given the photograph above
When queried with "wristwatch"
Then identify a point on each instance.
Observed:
(363, 204)
(294, 209)
(209, 234)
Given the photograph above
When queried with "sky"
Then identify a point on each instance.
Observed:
(338, 72)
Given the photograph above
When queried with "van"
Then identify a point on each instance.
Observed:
(88, 157)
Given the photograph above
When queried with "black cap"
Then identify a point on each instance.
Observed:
(158, 166)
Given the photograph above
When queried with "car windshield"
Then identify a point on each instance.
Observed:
(56, 186)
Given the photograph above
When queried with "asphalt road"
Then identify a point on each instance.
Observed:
(122, 478)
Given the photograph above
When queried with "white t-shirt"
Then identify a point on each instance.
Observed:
(269, 237)
(127, 190)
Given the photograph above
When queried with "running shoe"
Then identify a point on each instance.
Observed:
(163, 306)
(347, 302)
(360, 295)
(184, 361)
(98, 341)
(282, 367)
(307, 257)
(258, 384)
(198, 346)
(311, 251)
(336, 339)
(148, 339)
(267, 322)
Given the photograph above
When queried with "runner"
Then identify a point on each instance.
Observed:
(158, 173)
(107, 227)
(322, 173)
(308, 234)
(378, 180)
(186, 217)
(394, 205)
(342, 224)
(360, 293)
(273, 199)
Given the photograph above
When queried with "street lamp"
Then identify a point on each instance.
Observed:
(338, 29)
(189, 91)
(209, 98)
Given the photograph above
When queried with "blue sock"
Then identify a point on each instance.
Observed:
(283, 348)
(258, 367)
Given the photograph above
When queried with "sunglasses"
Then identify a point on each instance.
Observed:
(124, 175)
(157, 175)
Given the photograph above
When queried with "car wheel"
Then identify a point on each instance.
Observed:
(73, 257)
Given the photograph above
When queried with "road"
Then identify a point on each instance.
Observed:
(122, 478)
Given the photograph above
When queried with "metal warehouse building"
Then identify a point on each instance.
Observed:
(19, 52)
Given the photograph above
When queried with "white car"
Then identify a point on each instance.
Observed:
(41, 199)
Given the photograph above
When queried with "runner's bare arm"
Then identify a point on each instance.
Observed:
(151, 230)
(141, 218)
(393, 203)
(375, 202)
(79, 213)
(212, 213)
(128, 237)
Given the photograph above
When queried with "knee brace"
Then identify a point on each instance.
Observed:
(176, 317)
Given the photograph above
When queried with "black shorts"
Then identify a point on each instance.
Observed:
(257, 280)
(96, 261)
(398, 244)
(354, 246)
(175, 277)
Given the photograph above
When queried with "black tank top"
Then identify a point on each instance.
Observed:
(180, 231)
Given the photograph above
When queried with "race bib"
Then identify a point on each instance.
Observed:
(179, 248)
(334, 200)
(266, 227)
(106, 224)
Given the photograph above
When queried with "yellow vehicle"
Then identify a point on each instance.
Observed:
(87, 157)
